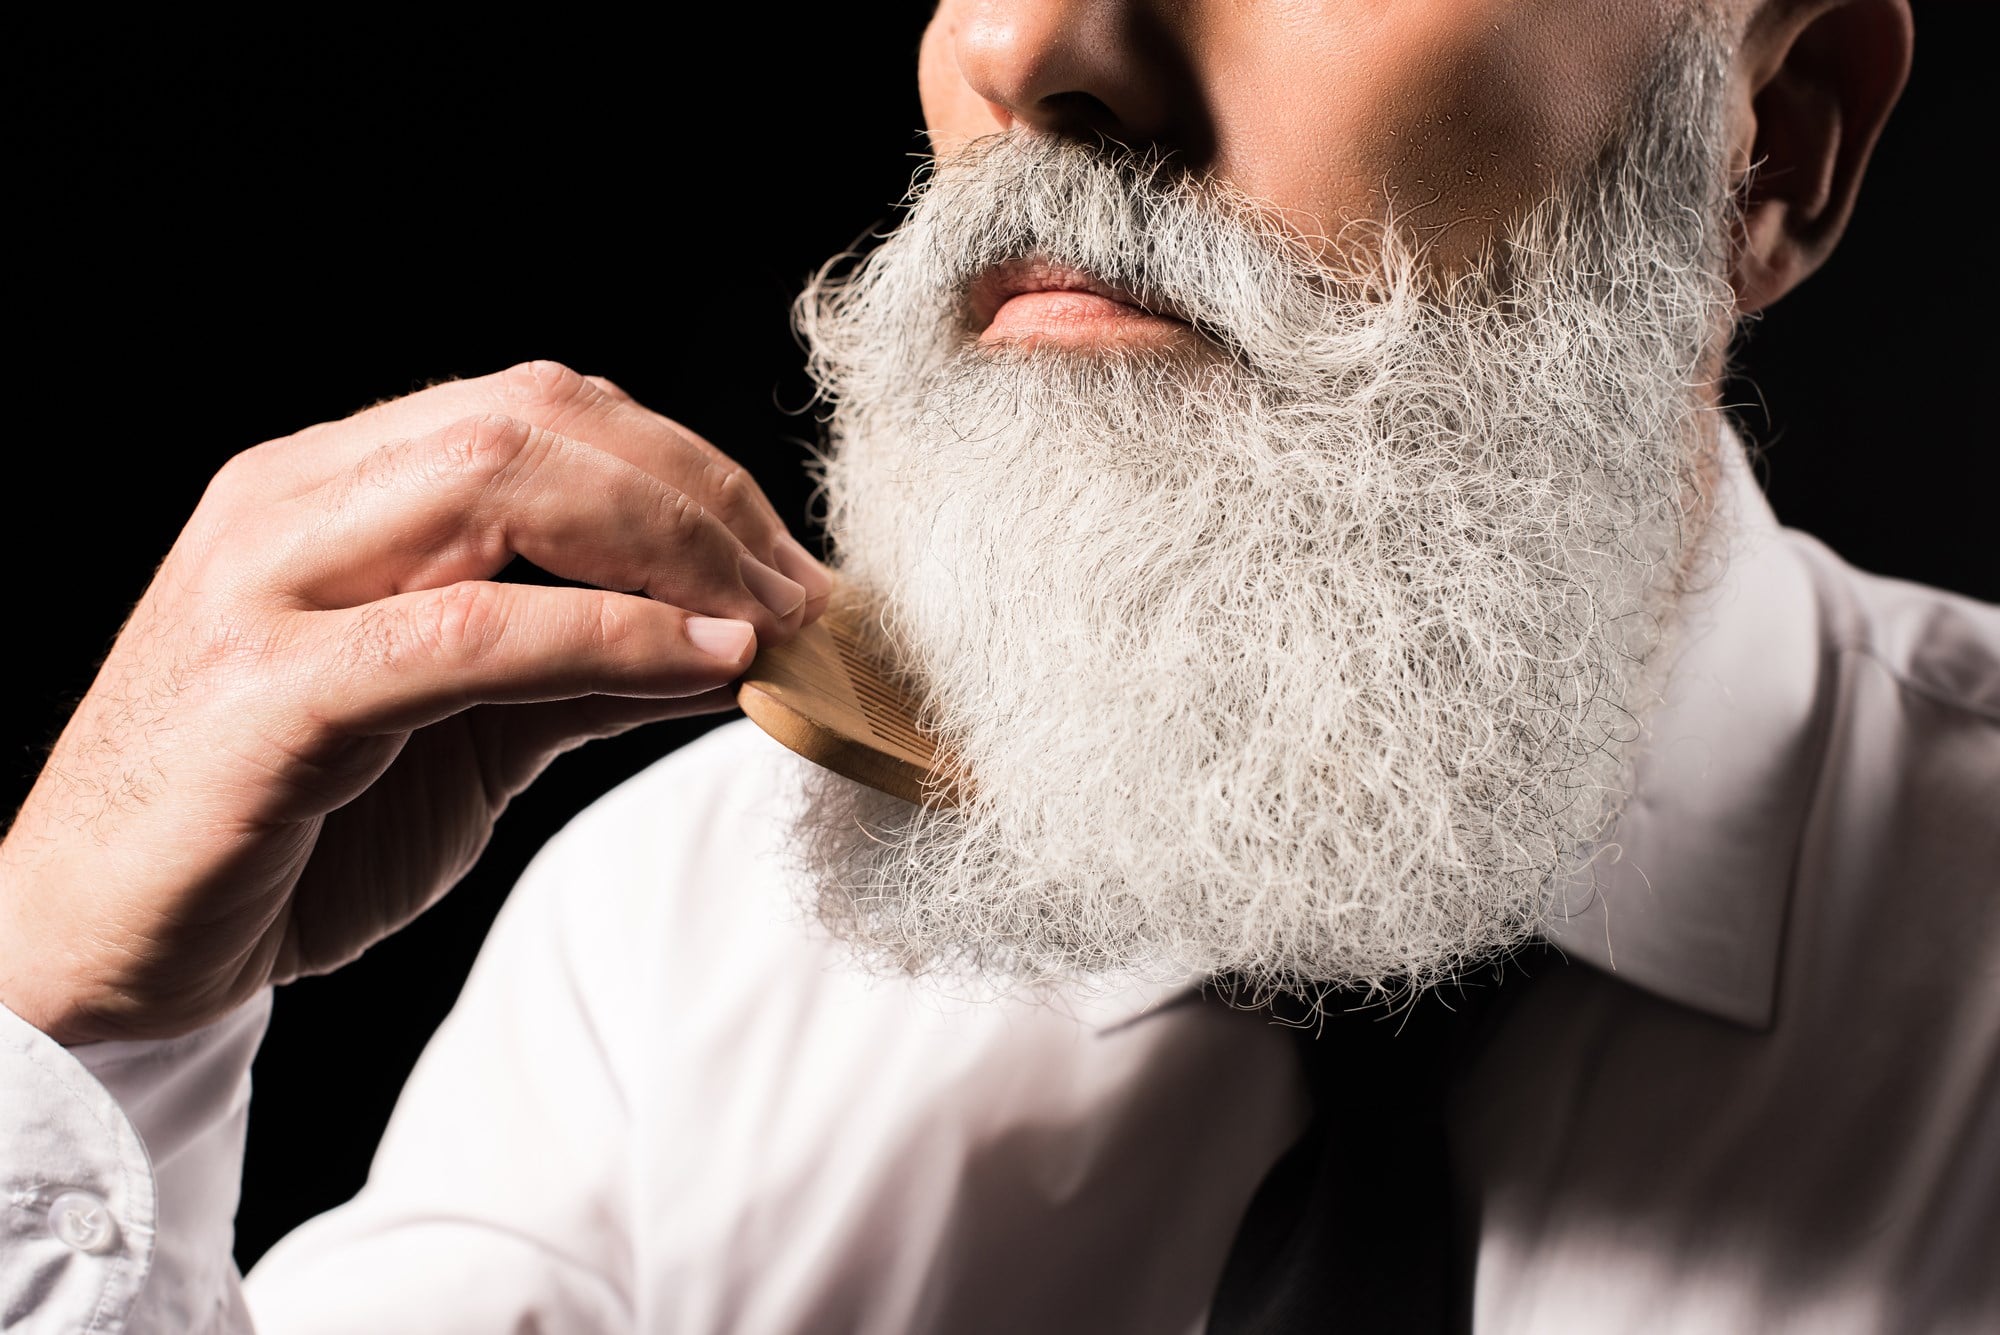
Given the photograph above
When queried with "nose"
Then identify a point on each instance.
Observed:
(1087, 69)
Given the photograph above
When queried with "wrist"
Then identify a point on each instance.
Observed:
(28, 999)
(36, 964)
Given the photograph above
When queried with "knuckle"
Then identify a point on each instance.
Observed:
(678, 513)
(457, 623)
(380, 467)
(732, 493)
(373, 639)
(238, 468)
(227, 524)
(617, 626)
(543, 390)
(449, 625)
(236, 479)
(482, 448)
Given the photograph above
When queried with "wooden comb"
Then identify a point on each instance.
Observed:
(823, 696)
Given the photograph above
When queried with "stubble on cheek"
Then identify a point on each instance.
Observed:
(1451, 120)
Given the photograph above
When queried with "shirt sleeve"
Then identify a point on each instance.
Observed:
(497, 1199)
(120, 1165)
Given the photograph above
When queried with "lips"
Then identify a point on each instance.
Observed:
(1034, 276)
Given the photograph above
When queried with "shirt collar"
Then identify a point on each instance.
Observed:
(1688, 894)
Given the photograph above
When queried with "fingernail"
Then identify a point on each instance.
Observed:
(798, 563)
(781, 595)
(720, 637)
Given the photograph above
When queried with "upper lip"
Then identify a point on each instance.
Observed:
(1033, 273)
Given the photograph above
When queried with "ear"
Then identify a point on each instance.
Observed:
(1822, 76)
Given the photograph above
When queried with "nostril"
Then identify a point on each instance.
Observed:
(1113, 71)
(1077, 113)
(1088, 119)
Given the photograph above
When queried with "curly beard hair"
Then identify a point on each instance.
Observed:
(1316, 660)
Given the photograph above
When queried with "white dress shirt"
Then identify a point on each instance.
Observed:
(1770, 1102)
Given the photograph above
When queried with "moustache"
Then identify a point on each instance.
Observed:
(1137, 226)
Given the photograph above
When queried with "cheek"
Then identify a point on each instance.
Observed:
(1453, 115)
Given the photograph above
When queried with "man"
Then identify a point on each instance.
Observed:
(1300, 503)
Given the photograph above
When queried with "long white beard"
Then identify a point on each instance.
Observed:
(1317, 661)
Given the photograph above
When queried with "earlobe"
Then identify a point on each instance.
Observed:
(1830, 72)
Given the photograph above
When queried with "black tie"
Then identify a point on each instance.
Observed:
(1357, 1227)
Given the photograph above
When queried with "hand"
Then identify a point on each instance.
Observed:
(304, 733)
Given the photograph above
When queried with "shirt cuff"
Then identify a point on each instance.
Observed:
(119, 1172)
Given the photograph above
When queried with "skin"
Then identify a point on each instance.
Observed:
(1450, 116)
(305, 732)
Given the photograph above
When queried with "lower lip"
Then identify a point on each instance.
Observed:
(1077, 319)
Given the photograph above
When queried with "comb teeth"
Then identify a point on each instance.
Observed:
(821, 695)
(886, 712)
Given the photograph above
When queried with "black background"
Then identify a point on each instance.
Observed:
(223, 235)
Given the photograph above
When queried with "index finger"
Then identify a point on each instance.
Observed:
(555, 398)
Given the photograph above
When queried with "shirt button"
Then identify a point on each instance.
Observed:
(84, 1221)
